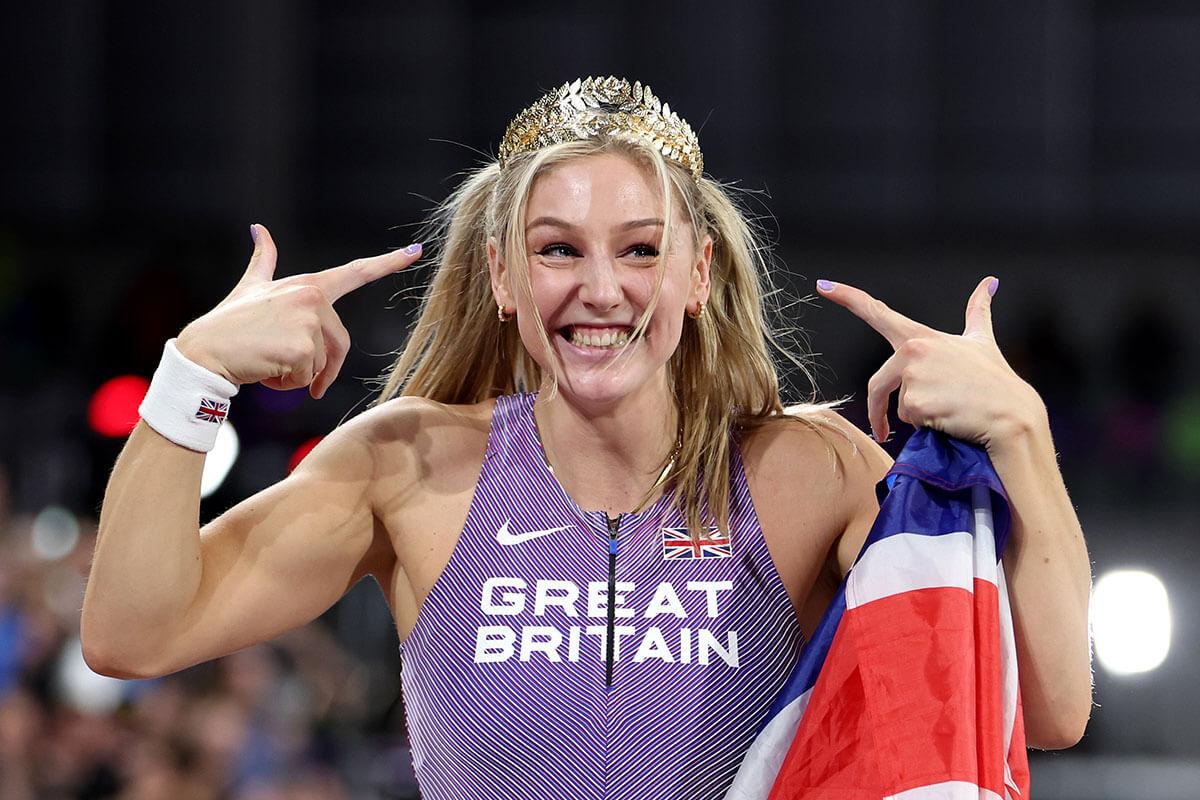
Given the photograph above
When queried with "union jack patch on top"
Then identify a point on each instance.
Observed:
(212, 410)
(678, 544)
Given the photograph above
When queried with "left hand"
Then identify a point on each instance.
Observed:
(960, 385)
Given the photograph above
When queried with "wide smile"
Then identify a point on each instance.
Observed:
(595, 341)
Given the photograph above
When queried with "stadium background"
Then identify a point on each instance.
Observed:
(909, 148)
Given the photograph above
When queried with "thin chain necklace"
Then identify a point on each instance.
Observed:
(662, 476)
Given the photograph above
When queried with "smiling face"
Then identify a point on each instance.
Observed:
(593, 228)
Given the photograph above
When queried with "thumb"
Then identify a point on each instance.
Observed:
(262, 262)
(979, 309)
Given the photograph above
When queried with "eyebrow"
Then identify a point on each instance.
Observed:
(555, 222)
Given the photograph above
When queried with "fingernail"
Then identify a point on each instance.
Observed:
(253, 233)
(825, 286)
(413, 248)
(993, 286)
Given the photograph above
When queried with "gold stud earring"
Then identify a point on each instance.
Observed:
(501, 314)
(699, 312)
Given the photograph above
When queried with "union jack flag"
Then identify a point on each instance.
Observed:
(908, 687)
(212, 410)
(677, 543)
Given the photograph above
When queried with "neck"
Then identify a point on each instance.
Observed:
(607, 457)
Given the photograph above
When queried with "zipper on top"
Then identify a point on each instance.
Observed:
(614, 523)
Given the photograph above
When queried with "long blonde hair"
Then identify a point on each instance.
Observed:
(722, 374)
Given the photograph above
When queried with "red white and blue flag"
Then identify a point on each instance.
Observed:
(212, 410)
(908, 688)
(677, 543)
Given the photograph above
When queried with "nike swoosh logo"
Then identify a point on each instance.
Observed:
(504, 537)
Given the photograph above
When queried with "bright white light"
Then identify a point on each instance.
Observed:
(80, 687)
(54, 534)
(219, 460)
(1131, 621)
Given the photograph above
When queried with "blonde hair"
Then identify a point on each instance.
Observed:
(722, 373)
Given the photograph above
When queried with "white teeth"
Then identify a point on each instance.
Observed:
(608, 339)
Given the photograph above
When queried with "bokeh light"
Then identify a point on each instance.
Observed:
(301, 451)
(1181, 433)
(113, 409)
(1131, 621)
(220, 459)
(277, 402)
(54, 533)
(81, 688)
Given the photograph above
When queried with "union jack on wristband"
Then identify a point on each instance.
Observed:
(186, 402)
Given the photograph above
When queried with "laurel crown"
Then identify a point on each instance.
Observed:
(591, 107)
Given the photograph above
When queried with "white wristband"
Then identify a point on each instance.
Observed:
(186, 403)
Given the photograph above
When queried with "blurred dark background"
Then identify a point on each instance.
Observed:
(909, 148)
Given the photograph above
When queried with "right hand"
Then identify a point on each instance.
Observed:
(283, 333)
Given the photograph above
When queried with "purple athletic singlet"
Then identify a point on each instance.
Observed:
(508, 687)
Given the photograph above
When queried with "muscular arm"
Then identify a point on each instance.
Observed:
(164, 594)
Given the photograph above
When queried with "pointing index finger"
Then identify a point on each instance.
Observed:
(892, 325)
(339, 281)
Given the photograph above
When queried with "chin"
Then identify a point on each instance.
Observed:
(604, 377)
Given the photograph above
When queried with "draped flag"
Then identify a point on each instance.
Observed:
(907, 689)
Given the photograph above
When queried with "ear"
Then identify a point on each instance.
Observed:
(700, 273)
(501, 289)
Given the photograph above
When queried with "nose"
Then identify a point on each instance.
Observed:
(601, 285)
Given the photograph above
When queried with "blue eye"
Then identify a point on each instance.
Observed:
(558, 250)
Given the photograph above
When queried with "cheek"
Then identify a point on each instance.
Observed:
(536, 312)
(671, 326)
(527, 327)
(666, 326)
(548, 294)
(672, 298)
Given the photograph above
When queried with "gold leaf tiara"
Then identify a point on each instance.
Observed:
(591, 107)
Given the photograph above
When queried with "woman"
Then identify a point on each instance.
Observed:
(638, 547)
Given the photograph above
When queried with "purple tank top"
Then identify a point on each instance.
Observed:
(506, 674)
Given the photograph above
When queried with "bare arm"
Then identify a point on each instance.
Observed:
(1049, 584)
(1048, 573)
(962, 385)
(164, 594)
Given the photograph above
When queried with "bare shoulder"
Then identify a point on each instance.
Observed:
(397, 454)
(816, 451)
(428, 456)
(417, 421)
(418, 440)
(815, 473)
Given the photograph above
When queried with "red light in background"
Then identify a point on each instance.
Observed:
(113, 409)
(301, 452)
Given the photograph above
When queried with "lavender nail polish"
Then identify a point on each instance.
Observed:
(993, 286)
(253, 233)
(825, 286)
(413, 248)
